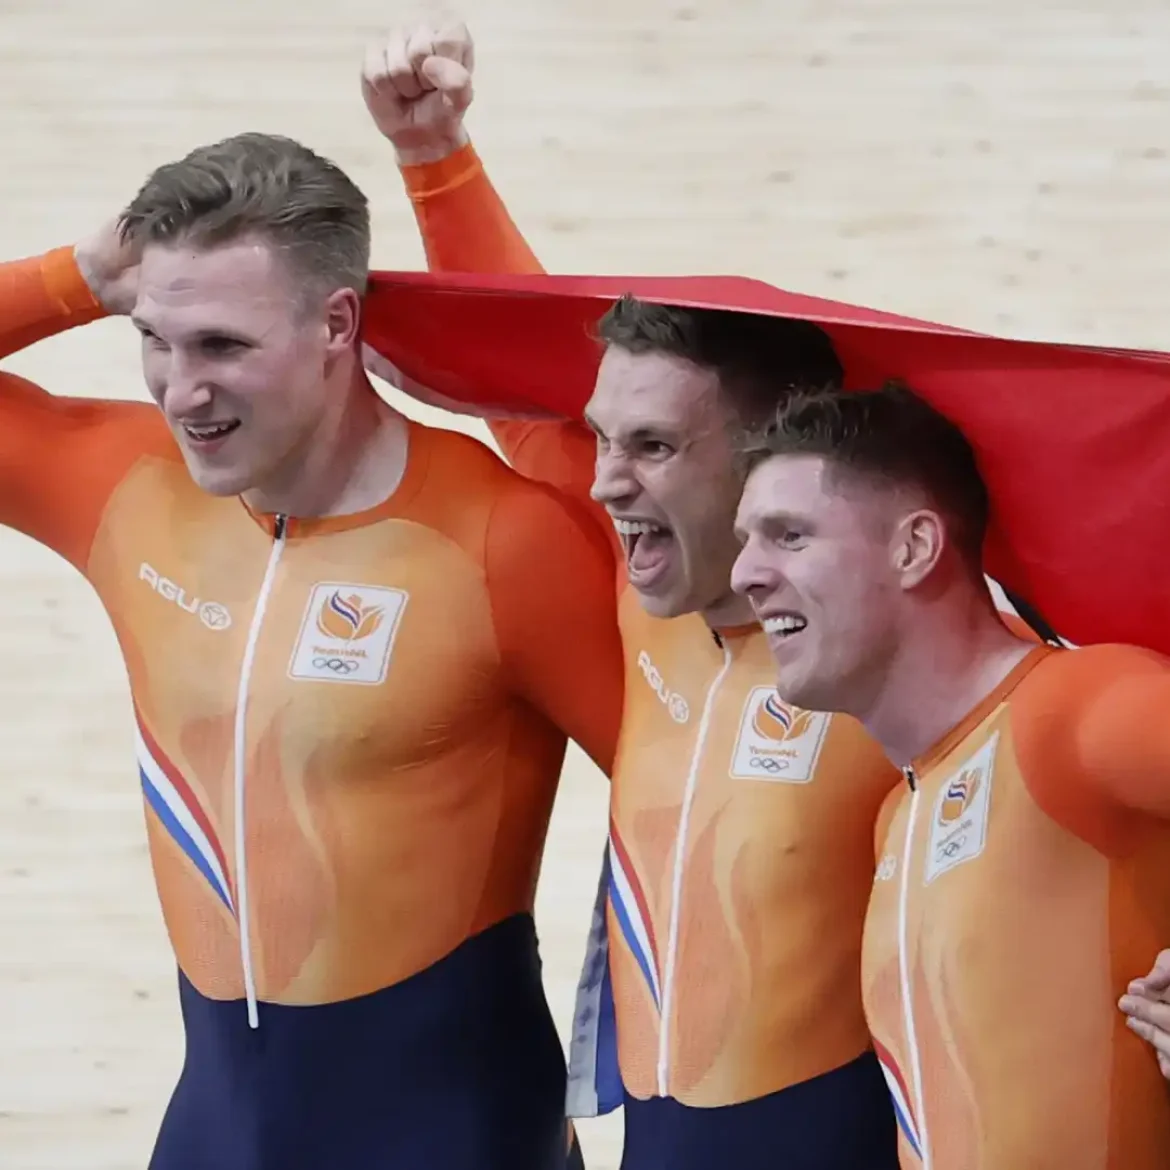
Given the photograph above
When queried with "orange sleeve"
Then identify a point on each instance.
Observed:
(1093, 740)
(550, 576)
(465, 227)
(60, 458)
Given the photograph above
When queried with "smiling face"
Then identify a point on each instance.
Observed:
(238, 358)
(823, 565)
(666, 475)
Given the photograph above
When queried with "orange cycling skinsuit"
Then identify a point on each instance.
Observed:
(349, 733)
(726, 946)
(1022, 879)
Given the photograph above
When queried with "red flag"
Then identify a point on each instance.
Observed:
(1074, 441)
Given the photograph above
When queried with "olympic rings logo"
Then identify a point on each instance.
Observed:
(953, 846)
(337, 665)
(768, 764)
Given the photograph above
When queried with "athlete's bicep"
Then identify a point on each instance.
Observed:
(464, 224)
(550, 574)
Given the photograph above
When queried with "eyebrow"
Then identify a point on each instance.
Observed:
(771, 521)
(640, 433)
(144, 326)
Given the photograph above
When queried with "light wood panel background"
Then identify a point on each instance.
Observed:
(990, 163)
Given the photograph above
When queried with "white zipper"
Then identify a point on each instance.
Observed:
(904, 971)
(241, 746)
(677, 876)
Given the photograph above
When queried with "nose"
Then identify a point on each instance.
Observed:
(613, 480)
(751, 574)
(185, 391)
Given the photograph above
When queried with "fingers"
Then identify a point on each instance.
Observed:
(453, 41)
(387, 70)
(1159, 978)
(1157, 982)
(427, 56)
(1150, 1020)
(420, 44)
(451, 79)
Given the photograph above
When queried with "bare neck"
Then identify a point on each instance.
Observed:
(950, 656)
(354, 459)
(729, 612)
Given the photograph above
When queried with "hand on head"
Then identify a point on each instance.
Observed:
(110, 267)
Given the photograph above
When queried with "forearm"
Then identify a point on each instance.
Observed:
(464, 224)
(41, 296)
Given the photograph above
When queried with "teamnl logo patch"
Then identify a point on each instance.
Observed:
(347, 633)
(777, 741)
(958, 826)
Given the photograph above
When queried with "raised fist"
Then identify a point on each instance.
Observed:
(417, 85)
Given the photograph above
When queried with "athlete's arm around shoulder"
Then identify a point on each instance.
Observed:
(1092, 731)
(61, 457)
(417, 85)
(550, 577)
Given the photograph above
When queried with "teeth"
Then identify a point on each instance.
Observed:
(636, 527)
(785, 624)
(210, 432)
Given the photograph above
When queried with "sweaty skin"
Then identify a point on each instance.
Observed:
(740, 853)
(1025, 872)
(349, 734)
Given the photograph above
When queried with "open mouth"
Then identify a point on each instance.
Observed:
(209, 432)
(783, 625)
(647, 546)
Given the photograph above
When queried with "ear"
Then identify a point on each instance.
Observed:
(342, 319)
(916, 546)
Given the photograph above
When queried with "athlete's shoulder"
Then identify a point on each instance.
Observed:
(1087, 732)
(1070, 679)
(462, 467)
(473, 497)
(454, 452)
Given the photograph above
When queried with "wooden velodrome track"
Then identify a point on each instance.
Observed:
(990, 163)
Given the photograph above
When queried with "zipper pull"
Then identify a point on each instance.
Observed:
(280, 525)
(911, 779)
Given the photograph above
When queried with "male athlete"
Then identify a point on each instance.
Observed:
(1024, 865)
(355, 645)
(740, 853)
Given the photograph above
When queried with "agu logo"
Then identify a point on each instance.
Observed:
(962, 809)
(213, 615)
(777, 741)
(679, 710)
(347, 633)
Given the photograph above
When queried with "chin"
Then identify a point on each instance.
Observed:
(663, 605)
(808, 696)
(219, 481)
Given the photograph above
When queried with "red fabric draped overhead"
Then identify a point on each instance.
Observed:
(1074, 441)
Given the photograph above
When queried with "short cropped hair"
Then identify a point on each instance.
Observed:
(757, 358)
(891, 436)
(266, 186)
